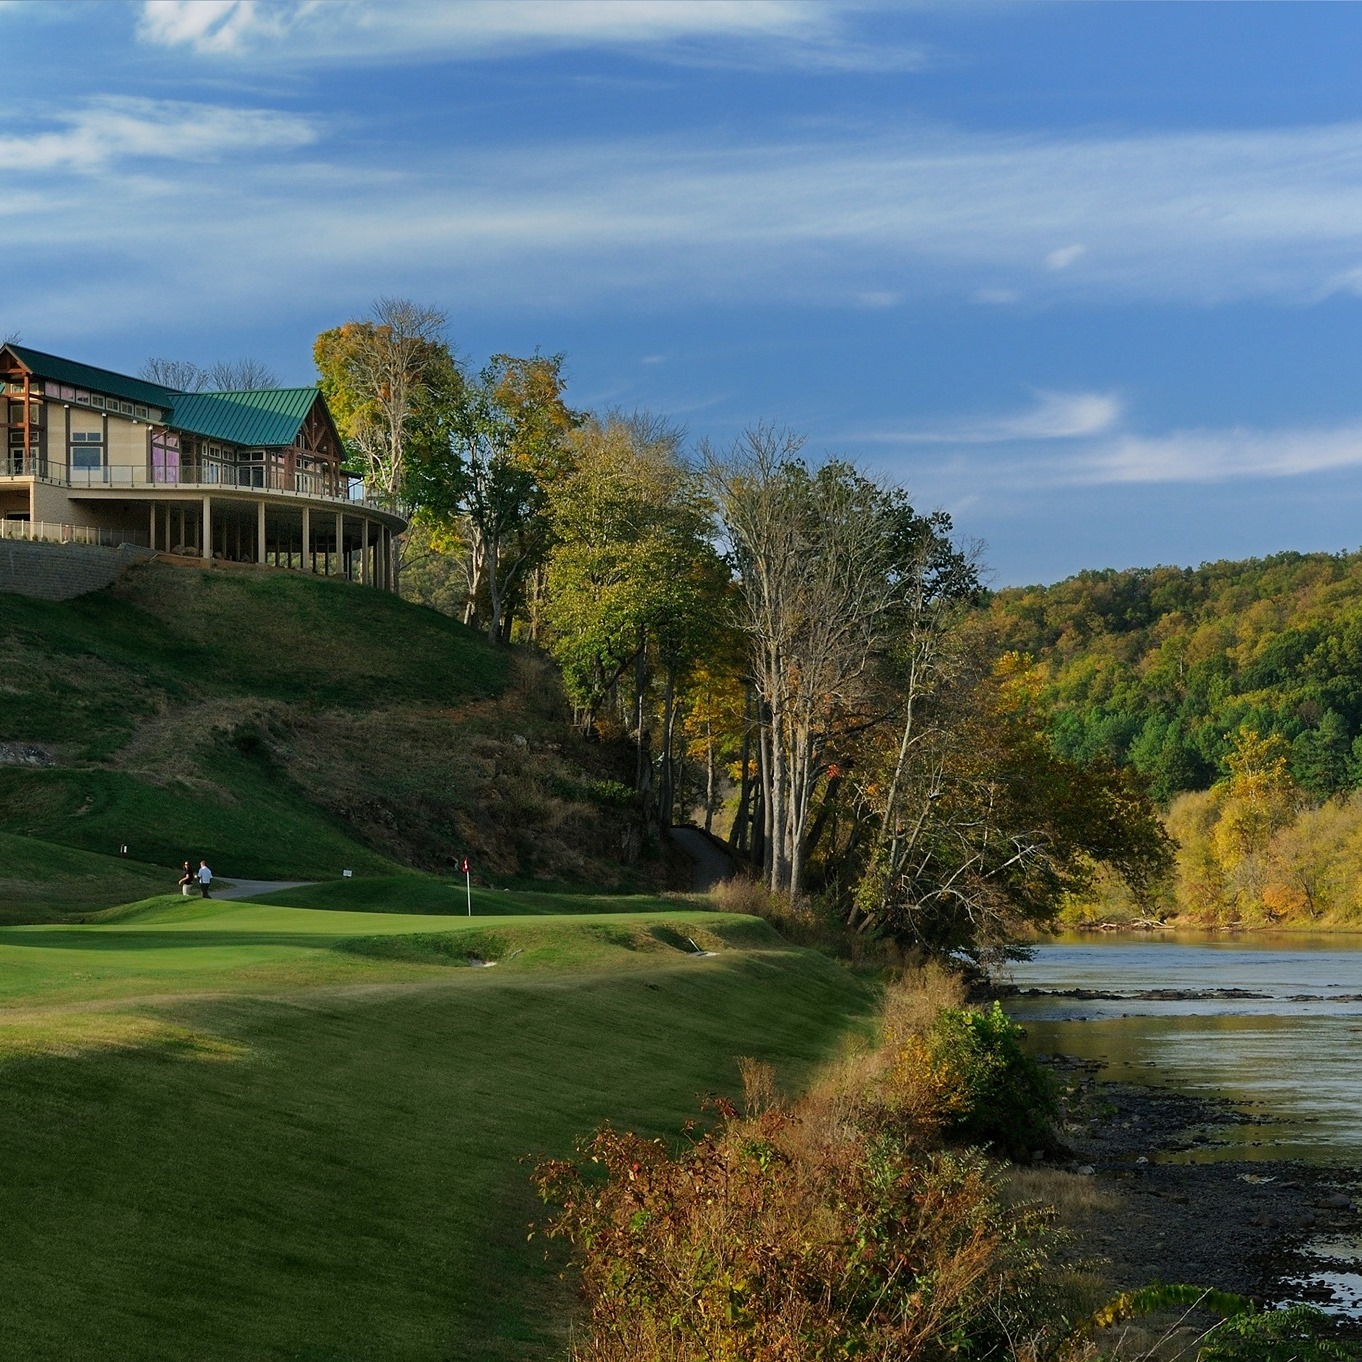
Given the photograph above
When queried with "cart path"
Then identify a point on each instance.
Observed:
(712, 864)
(245, 889)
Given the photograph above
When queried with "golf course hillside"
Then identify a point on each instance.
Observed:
(279, 727)
(303, 1133)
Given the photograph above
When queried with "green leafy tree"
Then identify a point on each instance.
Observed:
(634, 585)
(487, 471)
(388, 379)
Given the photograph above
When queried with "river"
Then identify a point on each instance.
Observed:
(1272, 1022)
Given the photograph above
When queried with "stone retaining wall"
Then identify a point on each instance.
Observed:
(59, 572)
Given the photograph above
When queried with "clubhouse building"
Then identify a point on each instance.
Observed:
(251, 477)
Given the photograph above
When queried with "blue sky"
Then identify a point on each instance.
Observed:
(1087, 276)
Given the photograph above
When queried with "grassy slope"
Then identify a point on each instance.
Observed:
(98, 680)
(245, 1131)
(286, 727)
(43, 882)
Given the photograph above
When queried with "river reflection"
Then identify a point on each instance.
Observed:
(1289, 1056)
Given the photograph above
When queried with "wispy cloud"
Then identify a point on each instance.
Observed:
(1211, 456)
(1053, 416)
(112, 129)
(1077, 441)
(872, 219)
(1065, 256)
(803, 32)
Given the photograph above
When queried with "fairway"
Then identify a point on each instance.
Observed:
(253, 1131)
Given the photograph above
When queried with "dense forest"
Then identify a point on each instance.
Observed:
(1235, 690)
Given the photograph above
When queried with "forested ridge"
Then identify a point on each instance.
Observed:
(1235, 689)
(1161, 667)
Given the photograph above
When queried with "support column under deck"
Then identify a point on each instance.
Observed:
(260, 532)
(206, 547)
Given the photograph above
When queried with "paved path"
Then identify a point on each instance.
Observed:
(247, 889)
(713, 865)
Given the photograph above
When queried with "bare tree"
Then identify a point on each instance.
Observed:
(240, 375)
(181, 375)
(184, 376)
(815, 552)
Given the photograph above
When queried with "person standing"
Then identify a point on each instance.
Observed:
(187, 879)
(205, 878)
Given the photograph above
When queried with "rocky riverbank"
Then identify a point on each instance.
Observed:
(1174, 1214)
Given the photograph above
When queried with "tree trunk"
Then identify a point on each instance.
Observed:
(709, 776)
(640, 678)
(494, 591)
(666, 785)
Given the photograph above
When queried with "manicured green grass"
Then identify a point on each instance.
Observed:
(261, 830)
(43, 882)
(414, 893)
(243, 1131)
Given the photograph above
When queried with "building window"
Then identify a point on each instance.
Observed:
(87, 449)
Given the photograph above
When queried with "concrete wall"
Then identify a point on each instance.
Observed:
(57, 572)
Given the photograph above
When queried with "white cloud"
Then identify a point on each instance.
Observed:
(1012, 462)
(307, 31)
(110, 129)
(1211, 456)
(875, 219)
(1053, 416)
(1065, 256)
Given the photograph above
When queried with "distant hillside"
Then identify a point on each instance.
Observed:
(1160, 667)
(289, 727)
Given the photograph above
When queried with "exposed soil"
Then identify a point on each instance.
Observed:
(1234, 1225)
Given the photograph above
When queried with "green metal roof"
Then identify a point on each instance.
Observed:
(88, 376)
(259, 416)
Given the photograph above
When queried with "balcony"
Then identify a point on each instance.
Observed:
(348, 489)
(50, 532)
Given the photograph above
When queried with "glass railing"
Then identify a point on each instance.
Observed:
(50, 532)
(250, 477)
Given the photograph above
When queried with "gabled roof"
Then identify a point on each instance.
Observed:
(88, 376)
(258, 416)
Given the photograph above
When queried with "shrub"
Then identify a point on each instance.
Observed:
(761, 1242)
(1290, 1335)
(998, 1094)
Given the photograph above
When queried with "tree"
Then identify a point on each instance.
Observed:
(389, 380)
(497, 448)
(633, 583)
(994, 827)
(183, 375)
(1321, 756)
(817, 553)
(240, 375)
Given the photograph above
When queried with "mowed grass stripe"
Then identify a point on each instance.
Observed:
(331, 1172)
(169, 945)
